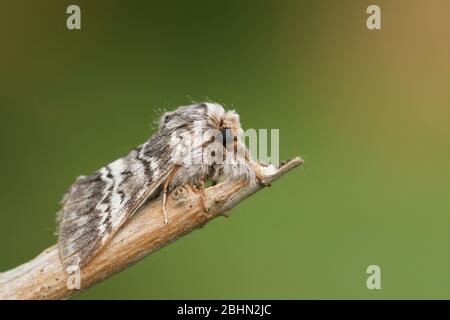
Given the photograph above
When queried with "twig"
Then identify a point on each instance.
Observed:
(44, 278)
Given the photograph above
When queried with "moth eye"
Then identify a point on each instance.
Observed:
(227, 136)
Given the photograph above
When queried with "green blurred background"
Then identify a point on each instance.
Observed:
(368, 110)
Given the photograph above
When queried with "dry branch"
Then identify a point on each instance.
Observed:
(44, 277)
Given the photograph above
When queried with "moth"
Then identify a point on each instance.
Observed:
(193, 144)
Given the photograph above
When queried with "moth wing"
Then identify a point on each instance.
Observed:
(98, 205)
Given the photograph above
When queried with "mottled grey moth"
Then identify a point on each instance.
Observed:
(193, 144)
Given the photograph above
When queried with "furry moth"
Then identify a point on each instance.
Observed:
(193, 144)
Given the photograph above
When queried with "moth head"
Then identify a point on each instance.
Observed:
(230, 129)
(225, 125)
(226, 122)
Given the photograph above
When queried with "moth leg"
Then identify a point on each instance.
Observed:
(259, 176)
(261, 179)
(165, 192)
(201, 190)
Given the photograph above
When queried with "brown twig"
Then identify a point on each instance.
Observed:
(44, 277)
